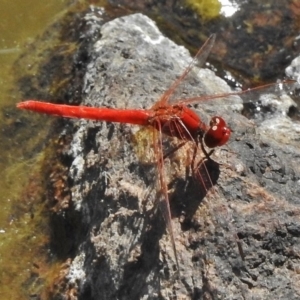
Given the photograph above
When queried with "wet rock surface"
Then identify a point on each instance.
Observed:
(122, 248)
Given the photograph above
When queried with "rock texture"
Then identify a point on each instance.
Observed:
(239, 240)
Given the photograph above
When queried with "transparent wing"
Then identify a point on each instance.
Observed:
(176, 90)
(192, 87)
(253, 94)
(171, 157)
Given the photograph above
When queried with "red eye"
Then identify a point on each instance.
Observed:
(218, 134)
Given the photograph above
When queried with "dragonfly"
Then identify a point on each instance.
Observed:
(175, 119)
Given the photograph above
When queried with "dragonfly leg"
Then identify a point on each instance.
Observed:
(207, 154)
(174, 150)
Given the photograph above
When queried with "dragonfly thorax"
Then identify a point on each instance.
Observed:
(178, 121)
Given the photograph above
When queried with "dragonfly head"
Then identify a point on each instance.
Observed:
(218, 133)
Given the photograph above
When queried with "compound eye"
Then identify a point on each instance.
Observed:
(218, 134)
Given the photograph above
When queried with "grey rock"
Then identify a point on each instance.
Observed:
(127, 252)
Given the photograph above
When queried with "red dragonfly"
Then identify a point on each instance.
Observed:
(175, 120)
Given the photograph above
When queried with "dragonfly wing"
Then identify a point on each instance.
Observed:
(164, 201)
(198, 61)
(155, 148)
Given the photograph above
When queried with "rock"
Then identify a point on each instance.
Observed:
(239, 240)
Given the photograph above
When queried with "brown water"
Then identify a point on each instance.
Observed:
(21, 234)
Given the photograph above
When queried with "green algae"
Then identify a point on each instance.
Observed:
(23, 231)
(207, 9)
(28, 265)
